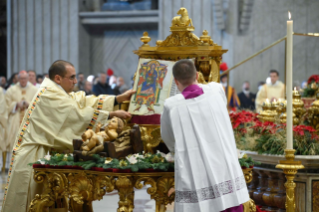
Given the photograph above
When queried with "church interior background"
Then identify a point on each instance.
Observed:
(96, 35)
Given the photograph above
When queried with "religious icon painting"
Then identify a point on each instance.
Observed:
(153, 84)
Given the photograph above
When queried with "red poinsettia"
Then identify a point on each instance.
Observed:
(313, 78)
(242, 117)
(301, 129)
(265, 127)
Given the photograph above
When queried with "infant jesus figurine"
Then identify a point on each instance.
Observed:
(94, 141)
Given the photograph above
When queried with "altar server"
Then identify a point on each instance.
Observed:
(54, 117)
(195, 125)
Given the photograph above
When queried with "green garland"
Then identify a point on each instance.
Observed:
(150, 161)
(247, 162)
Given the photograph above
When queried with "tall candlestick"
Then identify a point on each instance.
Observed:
(289, 50)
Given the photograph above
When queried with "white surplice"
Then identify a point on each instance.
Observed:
(208, 176)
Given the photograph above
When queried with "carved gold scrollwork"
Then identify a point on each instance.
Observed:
(81, 192)
(181, 39)
(164, 184)
(147, 181)
(102, 184)
(40, 202)
(249, 206)
(248, 173)
(125, 187)
(55, 187)
(151, 137)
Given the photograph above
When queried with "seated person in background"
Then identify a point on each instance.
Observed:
(88, 88)
(101, 87)
(195, 125)
(247, 98)
(80, 85)
(120, 86)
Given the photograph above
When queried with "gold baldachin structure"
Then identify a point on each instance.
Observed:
(181, 44)
(184, 44)
(74, 190)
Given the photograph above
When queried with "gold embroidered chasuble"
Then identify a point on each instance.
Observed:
(53, 119)
(3, 120)
(14, 95)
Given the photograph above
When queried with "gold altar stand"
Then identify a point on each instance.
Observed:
(74, 190)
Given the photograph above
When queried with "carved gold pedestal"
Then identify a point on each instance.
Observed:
(74, 190)
(290, 168)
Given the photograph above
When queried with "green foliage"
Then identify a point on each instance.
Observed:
(247, 162)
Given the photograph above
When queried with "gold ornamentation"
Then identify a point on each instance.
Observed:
(181, 39)
(249, 206)
(205, 38)
(214, 71)
(145, 39)
(313, 111)
(248, 173)
(151, 137)
(158, 190)
(125, 187)
(183, 44)
(81, 187)
(55, 186)
(201, 78)
(183, 20)
(290, 168)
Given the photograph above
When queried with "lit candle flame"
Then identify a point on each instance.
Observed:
(289, 15)
(295, 89)
(275, 101)
(267, 100)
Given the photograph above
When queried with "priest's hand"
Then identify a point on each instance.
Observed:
(20, 105)
(126, 96)
(25, 104)
(120, 113)
(172, 190)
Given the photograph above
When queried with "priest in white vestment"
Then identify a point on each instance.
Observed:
(3, 122)
(54, 118)
(18, 98)
(274, 90)
(195, 125)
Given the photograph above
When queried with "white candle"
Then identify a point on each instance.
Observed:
(289, 50)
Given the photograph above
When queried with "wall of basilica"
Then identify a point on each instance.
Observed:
(42, 32)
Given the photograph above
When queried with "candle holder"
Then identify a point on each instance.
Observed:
(267, 114)
(283, 116)
(298, 105)
(290, 168)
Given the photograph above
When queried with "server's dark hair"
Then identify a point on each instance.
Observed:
(184, 71)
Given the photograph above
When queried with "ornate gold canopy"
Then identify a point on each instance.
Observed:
(183, 44)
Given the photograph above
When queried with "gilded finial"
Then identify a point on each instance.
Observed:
(205, 38)
(145, 39)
